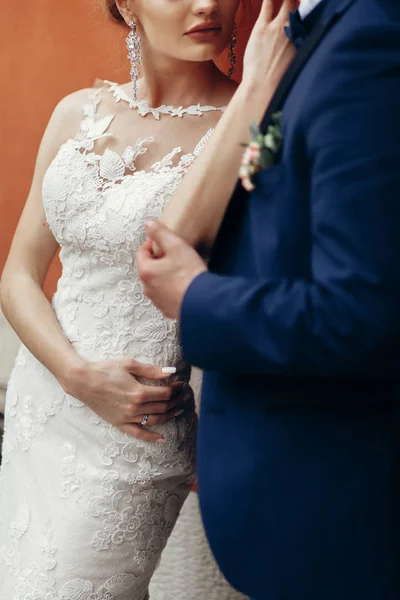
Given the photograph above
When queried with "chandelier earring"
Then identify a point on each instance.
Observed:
(134, 55)
(232, 54)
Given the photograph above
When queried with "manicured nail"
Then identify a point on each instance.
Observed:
(179, 413)
(150, 223)
(169, 370)
(160, 441)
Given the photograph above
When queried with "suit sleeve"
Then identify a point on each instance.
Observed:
(345, 320)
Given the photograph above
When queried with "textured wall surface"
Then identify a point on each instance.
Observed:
(188, 570)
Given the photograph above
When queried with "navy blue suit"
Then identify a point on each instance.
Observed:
(297, 328)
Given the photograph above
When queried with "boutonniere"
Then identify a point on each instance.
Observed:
(262, 151)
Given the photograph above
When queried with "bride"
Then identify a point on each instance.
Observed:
(98, 452)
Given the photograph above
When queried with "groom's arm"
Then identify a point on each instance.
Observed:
(339, 322)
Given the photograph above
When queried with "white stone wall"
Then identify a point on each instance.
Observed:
(188, 570)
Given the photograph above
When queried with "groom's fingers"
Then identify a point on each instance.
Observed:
(145, 260)
(157, 252)
(146, 250)
(159, 233)
(165, 241)
(152, 249)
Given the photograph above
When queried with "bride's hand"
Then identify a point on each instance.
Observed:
(269, 51)
(111, 389)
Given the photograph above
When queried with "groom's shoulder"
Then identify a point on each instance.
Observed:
(360, 52)
(368, 32)
(384, 9)
(375, 15)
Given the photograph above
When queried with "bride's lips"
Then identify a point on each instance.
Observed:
(205, 31)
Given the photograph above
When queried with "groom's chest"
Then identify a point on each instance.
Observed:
(268, 233)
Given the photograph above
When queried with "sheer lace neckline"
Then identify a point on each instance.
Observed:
(145, 109)
(118, 166)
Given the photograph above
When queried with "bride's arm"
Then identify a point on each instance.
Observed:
(23, 301)
(197, 208)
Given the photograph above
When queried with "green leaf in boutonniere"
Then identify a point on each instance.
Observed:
(262, 151)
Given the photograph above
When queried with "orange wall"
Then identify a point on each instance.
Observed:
(47, 50)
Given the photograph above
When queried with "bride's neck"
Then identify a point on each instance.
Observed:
(178, 83)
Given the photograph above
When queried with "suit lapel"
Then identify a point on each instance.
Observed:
(329, 18)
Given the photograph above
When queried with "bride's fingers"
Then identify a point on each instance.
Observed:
(154, 420)
(142, 434)
(287, 7)
(266, 12)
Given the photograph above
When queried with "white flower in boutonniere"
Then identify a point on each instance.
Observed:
(262, 151)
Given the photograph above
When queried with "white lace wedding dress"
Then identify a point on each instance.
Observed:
(85, 510)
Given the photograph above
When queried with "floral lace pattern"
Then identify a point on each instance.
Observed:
(85, 510)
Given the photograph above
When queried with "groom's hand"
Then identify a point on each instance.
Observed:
(167, 278)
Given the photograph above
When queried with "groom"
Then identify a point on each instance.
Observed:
(297, 327)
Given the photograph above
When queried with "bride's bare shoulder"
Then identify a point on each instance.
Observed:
(68, 114)
(65, 121)
(105, 93)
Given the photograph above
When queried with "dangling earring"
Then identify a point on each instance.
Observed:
(134, 55)
(232, 55)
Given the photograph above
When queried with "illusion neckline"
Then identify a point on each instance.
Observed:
(160, 167)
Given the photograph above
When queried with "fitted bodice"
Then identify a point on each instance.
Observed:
(96, 206)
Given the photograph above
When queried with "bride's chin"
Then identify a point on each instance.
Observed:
(206, 54)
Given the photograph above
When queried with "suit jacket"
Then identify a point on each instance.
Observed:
(297, 328)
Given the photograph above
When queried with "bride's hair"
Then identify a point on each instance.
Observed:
(112, 9)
